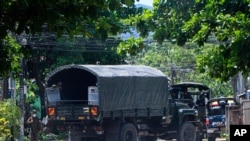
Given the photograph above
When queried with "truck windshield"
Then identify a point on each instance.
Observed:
(216, 110)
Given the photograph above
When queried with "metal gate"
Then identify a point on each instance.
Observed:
(233, 116)
(238, 114)
(246, 112)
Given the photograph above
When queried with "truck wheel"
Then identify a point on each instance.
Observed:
(128, 132)
(187, 132)
(211, 138)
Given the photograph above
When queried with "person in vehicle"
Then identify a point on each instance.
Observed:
(186, 95)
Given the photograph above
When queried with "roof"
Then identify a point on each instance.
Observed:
(221, 99)
(113, 70)
(191, 84)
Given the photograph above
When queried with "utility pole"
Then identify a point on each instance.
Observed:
(21, 91)
(172, 71)
(22, 102)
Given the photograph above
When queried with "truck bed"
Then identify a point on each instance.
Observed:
(122, 89)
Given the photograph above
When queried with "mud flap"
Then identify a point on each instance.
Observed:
(112, 131)
(73, 137)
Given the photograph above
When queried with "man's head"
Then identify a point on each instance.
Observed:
(34, 113)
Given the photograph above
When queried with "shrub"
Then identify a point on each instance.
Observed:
(9, 119)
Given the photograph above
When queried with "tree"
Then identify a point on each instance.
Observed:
(21, 20)
(181, 63)
(86, 17)
(9, 120)
(225, 21)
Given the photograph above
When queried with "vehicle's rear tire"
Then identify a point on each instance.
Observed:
(187, 132)
(128, 132)
(211, 138)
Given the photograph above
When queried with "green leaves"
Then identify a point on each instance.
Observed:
(99, 19)
(10, 55)
(225, 22)
(9, 118)
(130, 47)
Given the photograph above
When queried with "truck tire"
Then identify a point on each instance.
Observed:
(187, 132)
(211, 138)
(128, 132)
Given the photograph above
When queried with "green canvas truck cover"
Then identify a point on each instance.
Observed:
(120, 87)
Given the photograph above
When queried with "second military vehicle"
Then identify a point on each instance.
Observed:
(196, 95)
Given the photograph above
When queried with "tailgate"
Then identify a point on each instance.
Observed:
(72, 110)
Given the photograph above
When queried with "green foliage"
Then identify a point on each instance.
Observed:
(130, 47)
(32, 89)
(9, 55)
(9, 119)
(48, 137)
(87, 53)
(226, 22)
(88, 18)
(32, 98)
(65, 54)
(182, 60)
(226, 136)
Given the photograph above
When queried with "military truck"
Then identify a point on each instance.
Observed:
(115, 103)
(196, 95)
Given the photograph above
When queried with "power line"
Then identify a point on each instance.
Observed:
(72, 50)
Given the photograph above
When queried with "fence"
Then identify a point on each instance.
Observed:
(233, 116)
(246, 112)
(238, 114)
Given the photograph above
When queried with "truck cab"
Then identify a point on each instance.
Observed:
(196, 96)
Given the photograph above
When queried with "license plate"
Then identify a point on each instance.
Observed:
(81, 118)
(62, 118)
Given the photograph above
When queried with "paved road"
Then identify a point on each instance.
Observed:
(218, 139)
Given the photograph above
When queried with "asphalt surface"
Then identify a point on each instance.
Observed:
(218, 139)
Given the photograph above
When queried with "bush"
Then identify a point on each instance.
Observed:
(9, 119)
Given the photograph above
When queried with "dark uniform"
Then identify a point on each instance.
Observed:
(35, 126)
